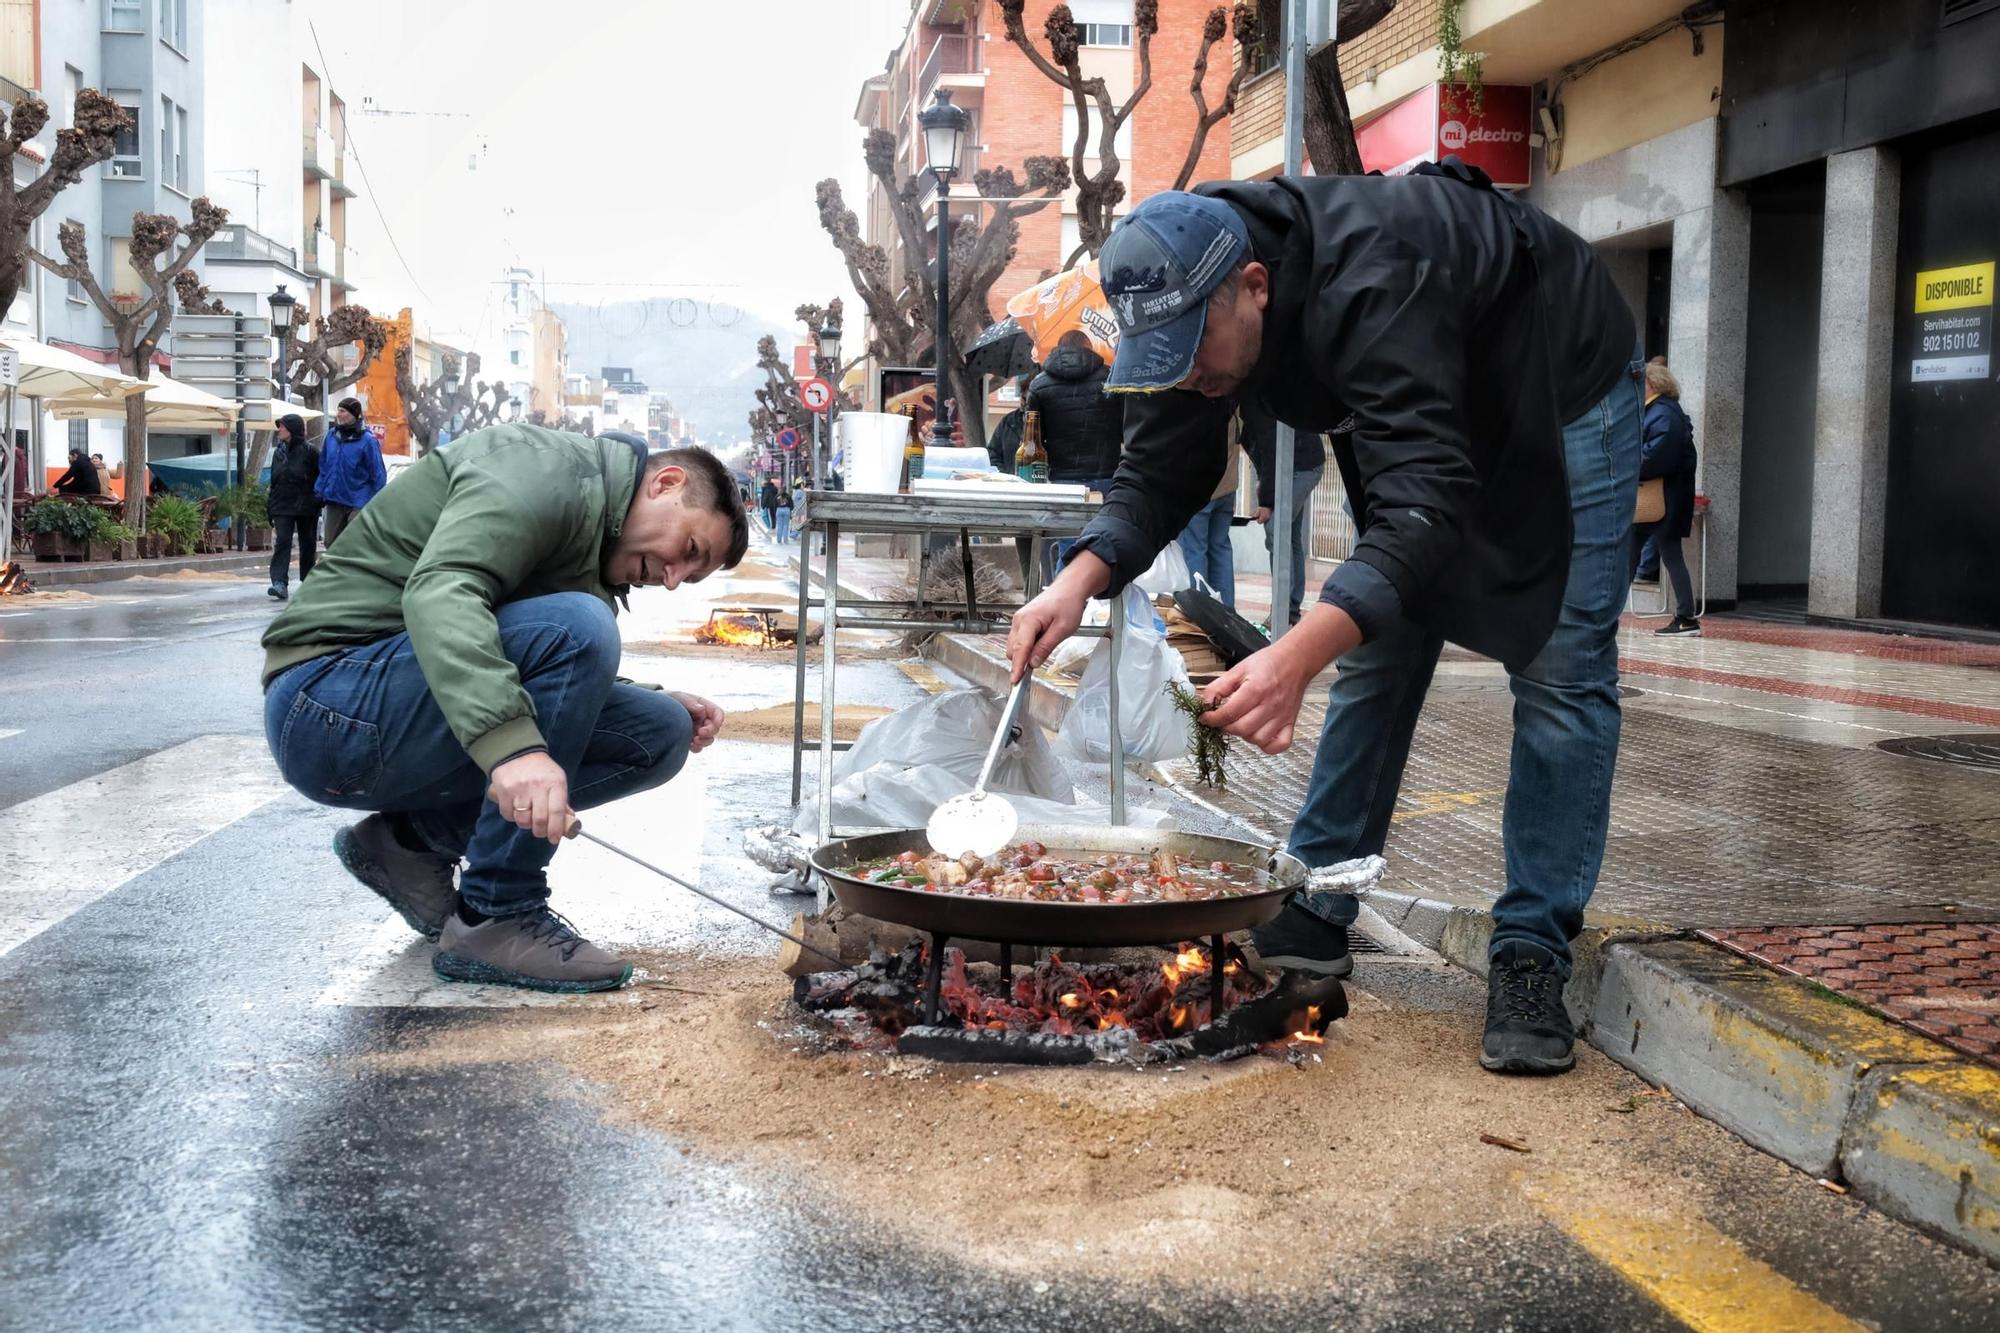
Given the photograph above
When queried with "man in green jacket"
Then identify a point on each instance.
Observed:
(453, 668)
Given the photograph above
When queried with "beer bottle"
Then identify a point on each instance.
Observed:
(1031, 461)
(913, 455)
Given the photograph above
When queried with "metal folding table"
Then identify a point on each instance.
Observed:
(1029, 522)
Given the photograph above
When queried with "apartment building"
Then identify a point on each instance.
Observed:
(277, 146)
(1018, 113)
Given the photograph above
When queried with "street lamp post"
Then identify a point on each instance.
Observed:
(283, 306)
(944, 128)
(829, 351)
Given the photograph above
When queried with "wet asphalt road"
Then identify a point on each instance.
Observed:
(195, 1136)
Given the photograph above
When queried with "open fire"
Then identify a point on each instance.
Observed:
(14, 579)
(749, 627)
(1064, 1013)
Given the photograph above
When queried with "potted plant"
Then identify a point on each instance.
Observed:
(245, 507)
(108, 537)
(175, 524)
(61, 528)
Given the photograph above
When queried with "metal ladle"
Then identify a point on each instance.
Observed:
(981, 822)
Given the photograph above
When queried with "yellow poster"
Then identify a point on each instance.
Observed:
(1954, 324)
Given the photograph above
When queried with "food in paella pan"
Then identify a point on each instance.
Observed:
(1030, 872)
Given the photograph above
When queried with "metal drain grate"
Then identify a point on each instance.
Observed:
(1359, 943)
(1979, 749)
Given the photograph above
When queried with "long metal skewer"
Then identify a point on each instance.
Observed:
(577, 831)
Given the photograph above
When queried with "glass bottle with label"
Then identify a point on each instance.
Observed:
(913, 455)
(1031, 461)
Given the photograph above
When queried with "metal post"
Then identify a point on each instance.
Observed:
(799, 682)
(940, 428)
(1115, 637)
(1282, 554)
(829, 618)
(242, 463)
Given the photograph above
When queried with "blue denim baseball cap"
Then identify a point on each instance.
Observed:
(1159, 266)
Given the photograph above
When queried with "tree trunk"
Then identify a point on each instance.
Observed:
(136, 475)
(1329, 128)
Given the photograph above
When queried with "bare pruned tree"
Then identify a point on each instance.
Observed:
(434, 404)
(1099, 189)
(162, 247)
(95, 123)
(1330, 143)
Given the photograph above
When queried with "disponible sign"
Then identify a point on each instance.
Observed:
(1421, 128)
(1954, 325)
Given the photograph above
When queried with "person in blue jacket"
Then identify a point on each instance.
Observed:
(1669, 452)
(350, 468)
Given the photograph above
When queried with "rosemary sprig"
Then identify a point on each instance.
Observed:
(1210, 746)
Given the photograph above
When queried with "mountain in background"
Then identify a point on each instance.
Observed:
(700, 353)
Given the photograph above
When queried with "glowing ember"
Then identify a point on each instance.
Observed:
(1310, 1027)
(13, 579)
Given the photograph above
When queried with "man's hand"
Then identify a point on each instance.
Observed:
(1258, 698)
(1263, 513)
(532, 791)
(1042, 624)
(707, 720)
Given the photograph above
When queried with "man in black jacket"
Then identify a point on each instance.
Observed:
(1487, 362)
(293, 507)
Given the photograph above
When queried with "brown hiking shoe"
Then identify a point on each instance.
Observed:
(417, 884)
(536, 950)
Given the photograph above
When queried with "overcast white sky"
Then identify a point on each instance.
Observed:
(622, 147)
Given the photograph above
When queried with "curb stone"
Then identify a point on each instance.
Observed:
(78, 576)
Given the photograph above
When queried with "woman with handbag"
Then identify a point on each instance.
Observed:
(1666, 492)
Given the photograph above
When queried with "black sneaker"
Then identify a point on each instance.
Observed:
(1527, 1028)
(1299, 941)
(1680, 625)
(277, 592)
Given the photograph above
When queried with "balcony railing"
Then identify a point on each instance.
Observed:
(237, 241)
(950, 54)
(341, 256)
(318, 152)
(339, 181)
(320, 253)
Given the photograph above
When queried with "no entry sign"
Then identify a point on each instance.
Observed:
(816, 394)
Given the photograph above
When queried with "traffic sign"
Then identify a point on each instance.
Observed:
(788, 439)
(816, 394)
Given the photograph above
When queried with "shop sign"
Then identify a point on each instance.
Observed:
(1954, 325)
(1420, 128)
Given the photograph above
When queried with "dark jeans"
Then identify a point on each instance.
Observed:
(1303, 486)
(1566, 718)
(1672, 558)
(337, 519)
(1205, 543)
(1056, 552)
(307, 529)
(360, 730)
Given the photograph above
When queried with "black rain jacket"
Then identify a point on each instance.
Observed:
(1081, 424)
(1461, 329)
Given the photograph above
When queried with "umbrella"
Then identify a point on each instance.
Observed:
(1003, 349)
(1069, 301)
(51, 372)
(170, 405)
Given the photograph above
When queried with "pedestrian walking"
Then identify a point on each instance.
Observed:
(1206, 540)
(1260, 441)
(1082, 426)
(767, 503)
(292, 502)
(1490, 368)
(782, 516)
(81, 479)
(452, 667)
(350, 469)
(1668, 444)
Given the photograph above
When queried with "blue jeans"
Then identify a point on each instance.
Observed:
(360, 730)
(1056, 552)
(784, 523)
(1205, 543)
(1566, 716)
(1303, 486)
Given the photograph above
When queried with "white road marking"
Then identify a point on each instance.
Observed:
(5, 732)
(86, 638)
(154, 809)
(612, 901)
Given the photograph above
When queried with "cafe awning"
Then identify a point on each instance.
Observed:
(51, 372)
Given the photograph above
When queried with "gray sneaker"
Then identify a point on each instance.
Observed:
(417, 884)
(535, 950)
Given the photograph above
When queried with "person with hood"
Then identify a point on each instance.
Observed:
(1488, 364)
(350, 469)
(452, 668)
(293, 504)
(1080, 423)
(1669, 453)
(767, 500)
(81, 479)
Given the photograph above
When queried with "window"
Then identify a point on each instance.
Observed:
(1103, 22)
(1272, 14)
(1105, 34)
(126, 160)
(124, 16)
(79, 435)
(173, 144)
(181, 149)
(124, 280)
(72, 86)
(173, 23)
(74, 289)
(166, 138)
(1122, 141)
(514, 358)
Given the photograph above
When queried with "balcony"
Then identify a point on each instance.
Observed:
(341, 189)
(321, 256)
(341, 257)
(239, 242)
(318, 152)
(950, 54)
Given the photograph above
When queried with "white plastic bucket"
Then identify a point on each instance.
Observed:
(873, 443)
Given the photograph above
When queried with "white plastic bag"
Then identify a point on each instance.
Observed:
(1168, 575)
(1152, 728)
(890, 795)
(951, 732)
